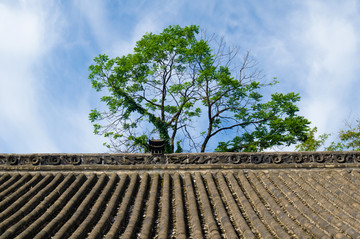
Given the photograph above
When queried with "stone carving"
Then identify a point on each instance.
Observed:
(12, 160)
(93, 160)
(277, 159)
(318, 158)
(191, 158)
(54, 159)
(298, 158)
(2, 159)
(256, 159)
(178, 159)
(34, 159)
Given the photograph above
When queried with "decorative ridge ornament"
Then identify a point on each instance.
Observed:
(156, 146)
(158, 157)
(157, 150)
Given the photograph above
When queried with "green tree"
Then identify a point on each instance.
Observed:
(349, 138)
(312, 143)
(175, 80)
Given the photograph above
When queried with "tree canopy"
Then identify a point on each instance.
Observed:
(349, 138)
(189, 89)
(312, 143)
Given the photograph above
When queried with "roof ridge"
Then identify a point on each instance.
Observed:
(296, 158)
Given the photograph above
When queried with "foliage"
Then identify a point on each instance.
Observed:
(312, 143)
(275, 124)
(178, 147)
(349, 138)
(174, 81)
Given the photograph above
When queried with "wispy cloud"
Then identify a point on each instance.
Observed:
(329, 40)
(36, 114)
(46, 47)
(21, 46)
(313, 48)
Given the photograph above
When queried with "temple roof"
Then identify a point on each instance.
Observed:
(227, 195)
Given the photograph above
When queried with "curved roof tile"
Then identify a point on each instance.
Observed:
(220, 200)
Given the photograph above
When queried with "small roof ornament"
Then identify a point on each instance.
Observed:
(156, 146)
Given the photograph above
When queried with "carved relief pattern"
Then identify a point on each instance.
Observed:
(191, 158)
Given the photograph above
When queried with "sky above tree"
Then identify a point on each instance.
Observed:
(46, 47)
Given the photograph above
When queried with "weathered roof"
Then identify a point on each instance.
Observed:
(263, 195)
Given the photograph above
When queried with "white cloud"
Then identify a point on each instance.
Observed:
(95, 14)
(313, 48)
(21, 46)
(330, 43)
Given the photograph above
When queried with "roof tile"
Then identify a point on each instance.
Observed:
(312, 201)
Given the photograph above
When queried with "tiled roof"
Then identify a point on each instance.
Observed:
(220, 200)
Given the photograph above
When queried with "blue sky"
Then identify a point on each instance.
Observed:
(312, 47)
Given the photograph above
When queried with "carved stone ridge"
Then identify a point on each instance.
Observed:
(183, 158)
